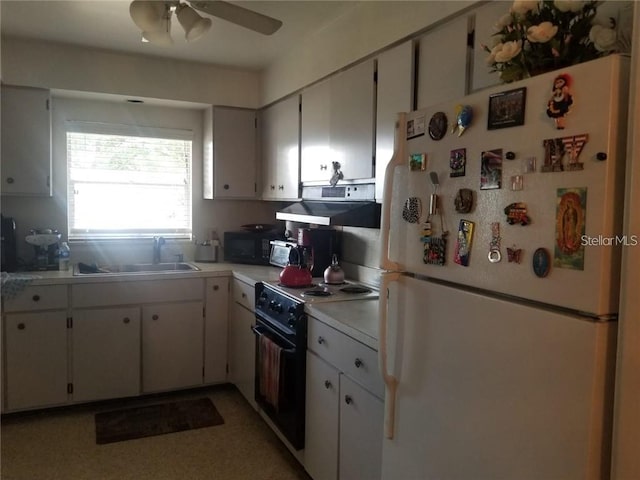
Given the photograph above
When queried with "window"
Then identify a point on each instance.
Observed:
(127, 181)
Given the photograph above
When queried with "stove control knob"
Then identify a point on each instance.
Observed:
(292, 309)
(292, 321)
(272, 305)
(278, 308)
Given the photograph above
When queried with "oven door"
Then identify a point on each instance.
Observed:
(280, 381)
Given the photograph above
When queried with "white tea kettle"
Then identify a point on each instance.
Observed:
(333, 274)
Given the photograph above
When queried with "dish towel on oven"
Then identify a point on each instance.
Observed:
(270, 371)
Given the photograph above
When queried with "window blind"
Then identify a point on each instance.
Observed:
(128, 182)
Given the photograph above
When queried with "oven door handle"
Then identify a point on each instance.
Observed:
(259, 331)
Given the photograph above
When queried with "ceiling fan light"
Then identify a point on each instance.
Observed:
(160, 37)
(193, 24)
(147, 15)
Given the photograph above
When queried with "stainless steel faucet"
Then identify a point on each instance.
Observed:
(157, 245)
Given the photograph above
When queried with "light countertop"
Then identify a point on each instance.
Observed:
(355, 318)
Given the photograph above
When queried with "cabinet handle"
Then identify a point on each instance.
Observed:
(36, 298)
(327, 384)
(348, 400)
(273, 187)
(244, 295)
(216, 288)
(358, 363)
(226, 186)
(126, 319)
(155, 317)
(10, 180)
(323, 167)
(21, 326)
(280, 187)
(320, 340)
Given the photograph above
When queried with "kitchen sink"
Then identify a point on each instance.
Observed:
(87, 269)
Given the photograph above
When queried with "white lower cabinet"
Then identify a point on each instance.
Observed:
(171, 346)
(106, 353)
(361, 432)
(242, 343)
(322, 418)
(344, 420)
(35, 359)
(215, 329)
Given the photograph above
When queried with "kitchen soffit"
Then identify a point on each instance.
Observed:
(106, 24)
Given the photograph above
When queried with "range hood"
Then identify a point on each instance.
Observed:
(344, 205)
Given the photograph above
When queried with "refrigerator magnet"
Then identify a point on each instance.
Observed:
(457, 162)
(561, 100)
(464, 115)
(418, 162)
(491, 169)
(463, 243)
(541, 262)
(573, 147)
(438, 125)
(517, 213)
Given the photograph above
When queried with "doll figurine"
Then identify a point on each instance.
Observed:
(560, 101)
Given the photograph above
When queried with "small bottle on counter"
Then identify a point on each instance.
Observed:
(63, 256)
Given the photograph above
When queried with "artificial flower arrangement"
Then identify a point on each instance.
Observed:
(539, 36)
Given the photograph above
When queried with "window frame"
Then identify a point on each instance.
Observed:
(76, 234)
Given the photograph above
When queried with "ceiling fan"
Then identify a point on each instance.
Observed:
(154, 18)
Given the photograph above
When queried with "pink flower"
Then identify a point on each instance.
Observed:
(542, 33)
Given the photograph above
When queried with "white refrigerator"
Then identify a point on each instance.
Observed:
(500, 365)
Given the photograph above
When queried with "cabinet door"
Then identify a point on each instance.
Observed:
(352, 120)
(280, 150)
(242, 351)
(106, 353)
(26, 141)
(361, 432)
(171, 346)
(316, 154)
(215, 330)
(443, 76)
(321, 424)
(36, 359)
(395, 94)
(234, 153)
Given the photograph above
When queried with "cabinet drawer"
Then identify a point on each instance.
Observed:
(244, 294)
(350, 356)
(137, 292)
(44, 297)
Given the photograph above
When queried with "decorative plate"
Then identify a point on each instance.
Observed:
(438, 125)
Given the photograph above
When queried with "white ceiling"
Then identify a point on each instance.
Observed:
(106, 24)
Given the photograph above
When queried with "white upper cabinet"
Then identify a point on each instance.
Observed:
(442, 63)
(395, 94)
(338, 125)
(26, 141)
(280, 141)
(230, 153)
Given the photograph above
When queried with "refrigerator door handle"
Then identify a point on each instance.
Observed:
(391, 383)
(398, 158)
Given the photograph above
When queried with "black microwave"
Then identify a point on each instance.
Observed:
(249, 247)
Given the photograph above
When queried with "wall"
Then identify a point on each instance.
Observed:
(58, 66)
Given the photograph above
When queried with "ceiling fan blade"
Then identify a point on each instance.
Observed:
(238, 15)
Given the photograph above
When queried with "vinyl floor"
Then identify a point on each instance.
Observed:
(59, 444)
